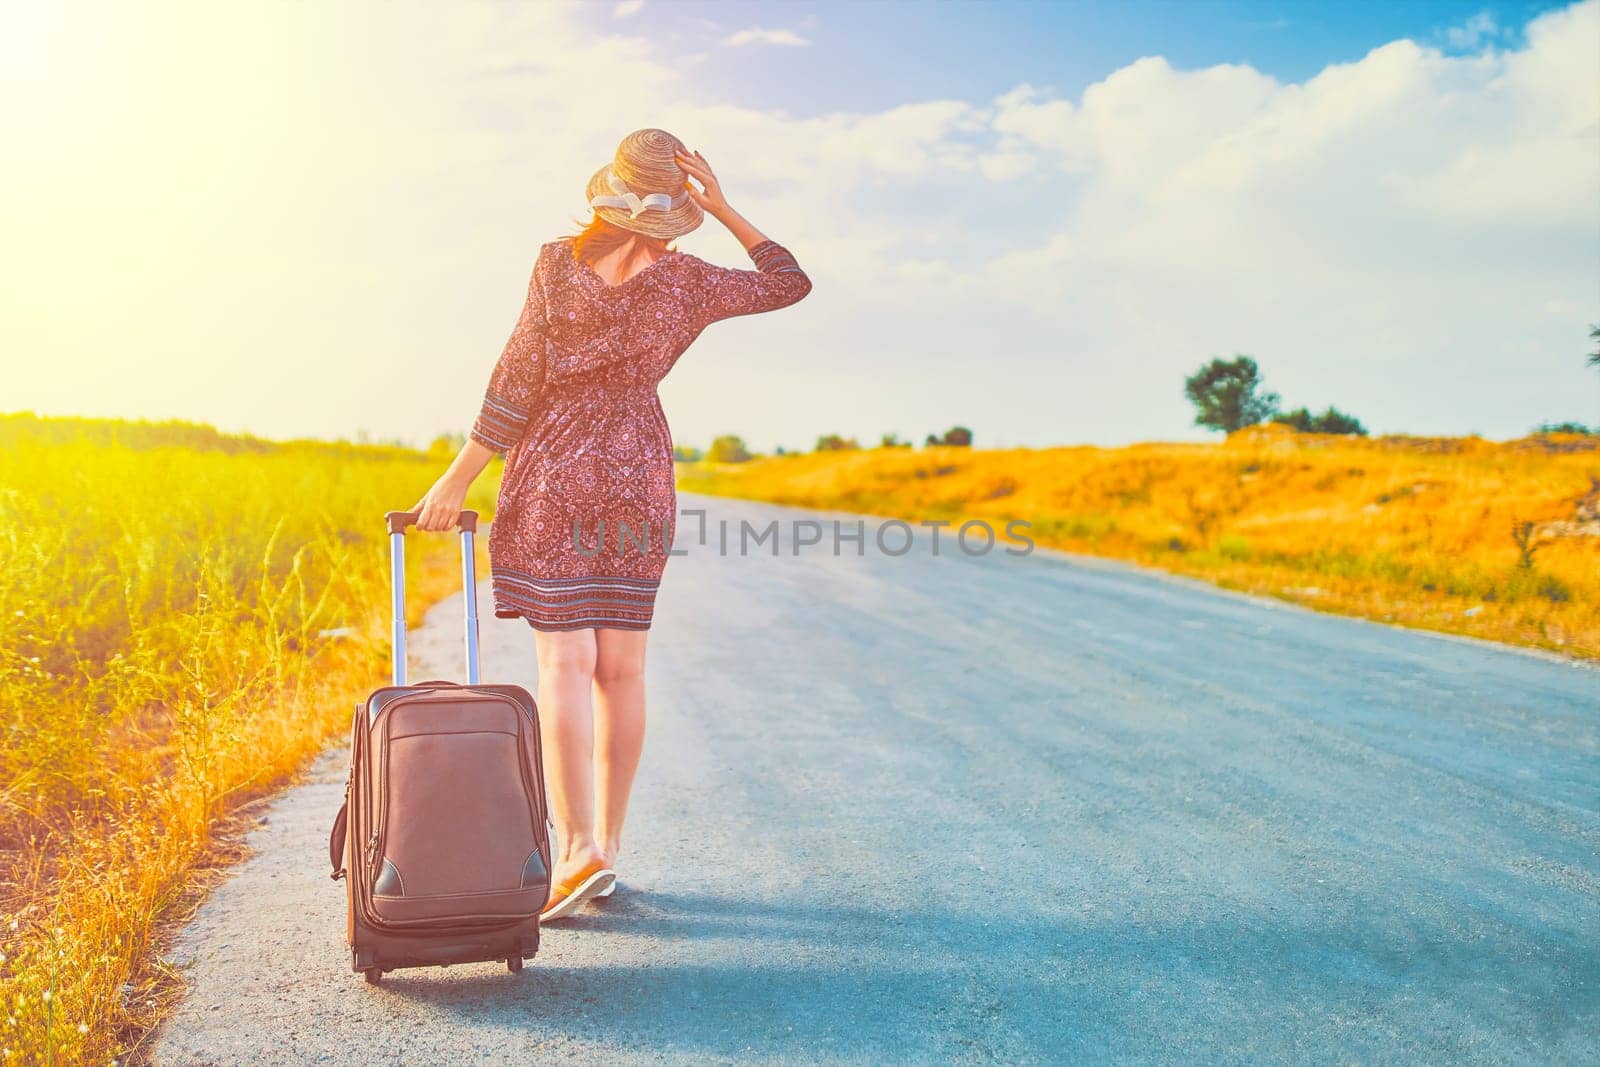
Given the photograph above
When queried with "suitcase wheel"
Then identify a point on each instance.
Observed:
(514, 964)
(373, 975)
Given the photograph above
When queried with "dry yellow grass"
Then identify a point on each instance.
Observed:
(187, 617)
(1416, 531)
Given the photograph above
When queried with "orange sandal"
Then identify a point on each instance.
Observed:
(588, 882)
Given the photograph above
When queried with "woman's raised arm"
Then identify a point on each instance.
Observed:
(776, 282)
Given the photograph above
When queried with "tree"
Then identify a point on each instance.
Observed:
(729, 448)
(685, 453)
(1331, 421)
(1594, 335)
(892, 440)
(834, 443)
(959, 436)
(1227, 394)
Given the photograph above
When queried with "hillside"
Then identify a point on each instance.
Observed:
(1495, 540)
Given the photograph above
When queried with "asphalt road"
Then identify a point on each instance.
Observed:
(1010, 809)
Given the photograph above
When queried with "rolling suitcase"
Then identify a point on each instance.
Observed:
(443, 841)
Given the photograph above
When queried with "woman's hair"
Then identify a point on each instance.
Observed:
(600, 238)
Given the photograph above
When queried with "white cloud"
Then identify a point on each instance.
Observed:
(757, 36)
(1002, 166)
(1473, 32)
(1383, 235)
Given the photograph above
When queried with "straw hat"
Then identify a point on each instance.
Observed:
(642, 188)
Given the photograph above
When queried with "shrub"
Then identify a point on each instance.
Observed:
(1233, 547)
(1330, 421)
(1567, 427)
(729, 448)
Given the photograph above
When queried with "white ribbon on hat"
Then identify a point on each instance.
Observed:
(633, 201)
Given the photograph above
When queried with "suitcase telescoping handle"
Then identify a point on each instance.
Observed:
(398, 522)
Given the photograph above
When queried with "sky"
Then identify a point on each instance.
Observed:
(1030, 219)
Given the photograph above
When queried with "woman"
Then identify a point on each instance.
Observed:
(587, 502)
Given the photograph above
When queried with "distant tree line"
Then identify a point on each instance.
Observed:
(731, 448)
(957, 436)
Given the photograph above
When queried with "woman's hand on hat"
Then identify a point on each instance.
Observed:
(709, 198)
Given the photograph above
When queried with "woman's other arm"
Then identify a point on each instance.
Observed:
(508, 403)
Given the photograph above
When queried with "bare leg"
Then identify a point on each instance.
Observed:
(618, 730)
(566, 733)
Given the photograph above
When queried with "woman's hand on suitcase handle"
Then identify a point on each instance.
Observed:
(440, 507)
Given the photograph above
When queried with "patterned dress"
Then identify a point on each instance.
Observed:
(587, 501)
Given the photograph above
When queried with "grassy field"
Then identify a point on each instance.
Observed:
(1454, 534)
(188, 617)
